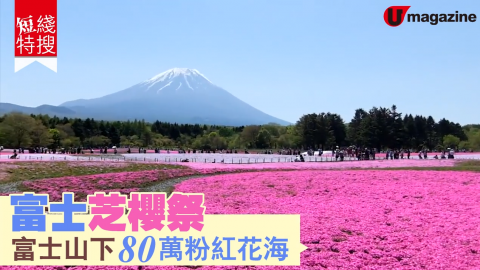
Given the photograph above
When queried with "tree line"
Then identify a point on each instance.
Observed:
(380, 128)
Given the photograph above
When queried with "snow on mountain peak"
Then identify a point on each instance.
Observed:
(190, 78)
(176, 72)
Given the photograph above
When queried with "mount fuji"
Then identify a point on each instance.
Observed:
(179, 95)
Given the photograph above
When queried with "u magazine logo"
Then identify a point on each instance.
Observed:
(395, 16)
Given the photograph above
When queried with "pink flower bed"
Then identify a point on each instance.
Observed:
(78, 163)
(124, 182)
(131, 267)
(363, 219)
(325, 165)
(133, 151)
(350, 219)
(429, 153)
(114, 267)
(97, 151)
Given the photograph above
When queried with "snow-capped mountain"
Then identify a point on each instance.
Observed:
(187, 74)
(182, 78)
(178, 95)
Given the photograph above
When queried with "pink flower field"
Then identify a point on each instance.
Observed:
(327, 165)
(350, 219)
(363, 219)
(124, 182)
(82, 186)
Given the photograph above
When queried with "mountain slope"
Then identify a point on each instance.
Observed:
(176, 95)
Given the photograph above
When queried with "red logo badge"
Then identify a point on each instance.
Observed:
(35, 33)
(395, 15)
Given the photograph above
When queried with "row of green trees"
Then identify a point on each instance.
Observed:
(379, 127)
(384, 128)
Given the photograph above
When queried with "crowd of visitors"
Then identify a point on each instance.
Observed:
(371, 154)
(339, 153)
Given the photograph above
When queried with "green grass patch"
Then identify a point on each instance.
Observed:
(22, 171)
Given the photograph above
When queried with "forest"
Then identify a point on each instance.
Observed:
(380, 128)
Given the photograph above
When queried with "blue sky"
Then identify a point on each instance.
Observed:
(286, 58)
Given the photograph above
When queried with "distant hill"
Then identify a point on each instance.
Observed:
(43, 109)
(177, 95)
